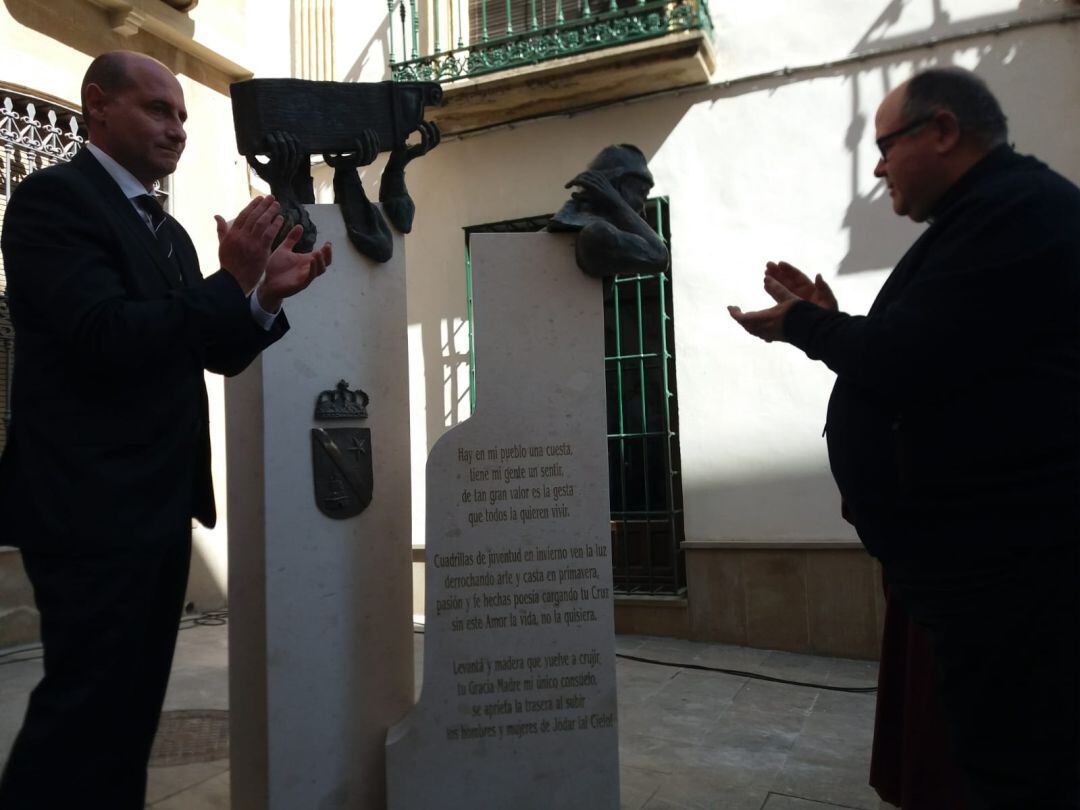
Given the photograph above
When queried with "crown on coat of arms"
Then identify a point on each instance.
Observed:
(341, 403)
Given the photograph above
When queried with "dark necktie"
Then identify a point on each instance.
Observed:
(156, 213)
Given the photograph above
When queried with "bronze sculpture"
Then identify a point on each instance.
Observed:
(288, 120)
(607, 212)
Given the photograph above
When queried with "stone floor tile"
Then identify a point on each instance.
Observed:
(827, 779)
(200, 673)
(713, 687)
(848, 703)
(849, 729)
(725, 789)
(797, 666)
(637, 786)
(777, 801)
(663, 803)
(697, 761)
(629, 644)
(775, 697)
(849, 672)
(749, 732)
(671, 716)
(637, 683)
(162, 783)
(655, 754)
(213, 794)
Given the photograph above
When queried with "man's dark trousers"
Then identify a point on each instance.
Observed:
(109, 626)
(1006, 636)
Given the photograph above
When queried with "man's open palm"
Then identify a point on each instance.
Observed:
(288, 273)
(795, 280)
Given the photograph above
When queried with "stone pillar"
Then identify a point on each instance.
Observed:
(518, 703)
(320, 636)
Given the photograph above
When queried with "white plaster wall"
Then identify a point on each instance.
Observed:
(755, 170)
(360, 42)
(771, 34)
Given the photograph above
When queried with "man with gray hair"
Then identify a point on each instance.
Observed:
(954, 428)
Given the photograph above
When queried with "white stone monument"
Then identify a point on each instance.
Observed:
(517, 710)
(320, 638)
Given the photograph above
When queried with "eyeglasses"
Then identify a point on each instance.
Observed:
(885, 142)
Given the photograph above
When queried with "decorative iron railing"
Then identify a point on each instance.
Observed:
(444, 40)
(37, 126)
(34, 133)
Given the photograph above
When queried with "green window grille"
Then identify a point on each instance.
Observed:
(642, 417)
(473, 37)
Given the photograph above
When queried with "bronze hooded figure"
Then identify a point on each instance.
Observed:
(608, 212)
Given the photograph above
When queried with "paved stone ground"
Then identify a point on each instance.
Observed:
(688, 739)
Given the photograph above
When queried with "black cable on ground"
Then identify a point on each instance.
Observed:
(854, 690)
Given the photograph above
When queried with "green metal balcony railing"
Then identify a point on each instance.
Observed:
(444, 40)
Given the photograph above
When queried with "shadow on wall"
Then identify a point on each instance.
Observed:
(875, 241)
(364, 59)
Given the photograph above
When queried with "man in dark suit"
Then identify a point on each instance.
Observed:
(108, 454)
(954, 428)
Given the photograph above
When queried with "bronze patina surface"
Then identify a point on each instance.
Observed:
(607, 211)
(280, 123)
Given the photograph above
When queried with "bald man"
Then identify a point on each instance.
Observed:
(108, 454)
(954, 427)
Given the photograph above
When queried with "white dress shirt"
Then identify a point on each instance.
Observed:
(132, 189)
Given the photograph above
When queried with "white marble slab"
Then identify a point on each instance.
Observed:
(321, 611)
(518, 702)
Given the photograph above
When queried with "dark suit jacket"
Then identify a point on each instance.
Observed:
(109, 443)
(954, 425)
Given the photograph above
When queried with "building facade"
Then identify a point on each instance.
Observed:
(757, 121)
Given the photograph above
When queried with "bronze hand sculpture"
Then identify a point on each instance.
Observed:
(394, 196)
(287, 170)
(350, 123)
(363, 222)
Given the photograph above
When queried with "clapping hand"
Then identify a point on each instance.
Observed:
(288, 273)
(799, 284)
(244, 246)
(785, 284)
